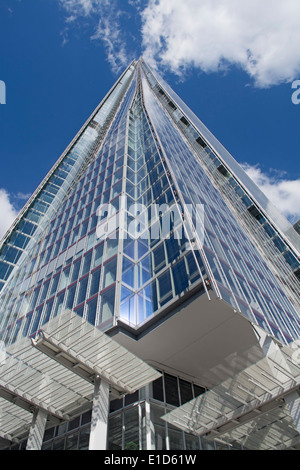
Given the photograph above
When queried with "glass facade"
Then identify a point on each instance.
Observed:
(112, 233)
(135, 420)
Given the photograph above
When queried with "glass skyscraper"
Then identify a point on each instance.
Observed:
(147, 228)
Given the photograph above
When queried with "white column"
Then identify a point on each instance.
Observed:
(98, 434)
(293, 403)
(150, 433)
(37, 430)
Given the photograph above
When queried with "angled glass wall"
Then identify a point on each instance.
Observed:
(68, 266)
(109, 236)
(241, 275)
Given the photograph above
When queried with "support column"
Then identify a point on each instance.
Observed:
(99, 423)
(150, 433)
(37, 430)
(293, 403)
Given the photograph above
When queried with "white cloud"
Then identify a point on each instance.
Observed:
(108, 30)
(76, 8)
(282, 192)
(260, 36)
(7, 212)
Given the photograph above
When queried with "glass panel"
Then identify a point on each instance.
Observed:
(86, 263)
(98, 255)
(115, 432)
(70, 297)
(107, 304)
(48, 310)
(165, 288)
(92, 311)
(186, 392)
(191, 442)
(82, 290)
(171, 390)
(157, 389)
(95, 282)
(71, 442)
(59, 304)
(110, 269)
(131, 429)
(84, 439)
(159, 426)
(175, 438)
(180, 277)
(75, 271)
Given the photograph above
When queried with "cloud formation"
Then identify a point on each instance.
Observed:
(8, 213)
(261, 37)
(284, 193)
(106, 14)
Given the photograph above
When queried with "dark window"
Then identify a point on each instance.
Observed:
(70, 298)
(92, 311)
(198, 390)
(171, 390)
(132, 398)
(75, 272)
(116, 404)
(82, 290)
(95, 282)
(185, 121)
(87, 263)
(186, 392)
(180, 277)
(157, 389)
(201, 142)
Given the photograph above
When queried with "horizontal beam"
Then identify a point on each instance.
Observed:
(69, 359)
(28, 403)
(8, 437)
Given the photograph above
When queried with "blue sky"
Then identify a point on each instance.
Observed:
(232, 62)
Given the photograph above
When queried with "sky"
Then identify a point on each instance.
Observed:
(235, 63)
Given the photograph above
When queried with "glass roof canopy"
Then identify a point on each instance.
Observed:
(55, 372)
(250, 408)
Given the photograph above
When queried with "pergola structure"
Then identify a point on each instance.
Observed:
(68, 367)
(258, 408)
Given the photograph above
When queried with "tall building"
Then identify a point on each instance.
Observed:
(297, 226)
(148, 231)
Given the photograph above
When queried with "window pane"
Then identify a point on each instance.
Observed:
(75, 272)
(82, 290)
(107, 304)
(157, 389)
(165, 288)
(86, 263)
(110, 269)
(180, 277)
(91, 311)
(131, 429)
(171, 390)
(115, 432)
(59, 304)
(98, 255)
(95, 282)
(186, 392)
(54, 284)
(48, 310)
(70, 297)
